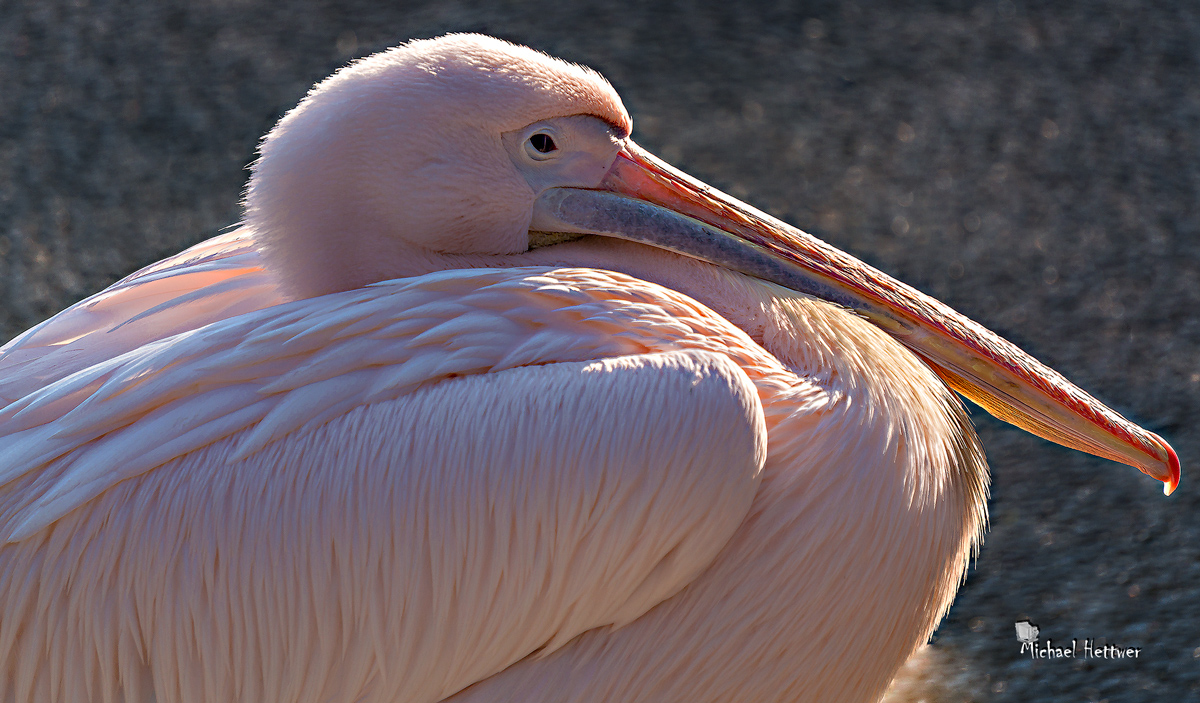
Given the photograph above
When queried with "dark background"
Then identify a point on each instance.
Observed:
(1033, 164)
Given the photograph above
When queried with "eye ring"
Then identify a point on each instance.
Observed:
(541, 146)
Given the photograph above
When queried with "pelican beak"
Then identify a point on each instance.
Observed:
(645, 200)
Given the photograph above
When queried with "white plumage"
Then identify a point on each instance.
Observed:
(384, 444)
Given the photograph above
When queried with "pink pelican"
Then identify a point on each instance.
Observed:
(482, 402)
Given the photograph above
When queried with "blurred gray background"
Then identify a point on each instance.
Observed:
(1033, 164)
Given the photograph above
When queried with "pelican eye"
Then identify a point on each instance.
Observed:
(540, 146)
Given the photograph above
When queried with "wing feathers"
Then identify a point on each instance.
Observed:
(215, 280)
(276, 370)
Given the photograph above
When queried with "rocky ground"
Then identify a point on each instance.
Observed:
(1033, 164)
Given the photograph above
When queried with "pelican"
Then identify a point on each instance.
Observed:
(483, 402)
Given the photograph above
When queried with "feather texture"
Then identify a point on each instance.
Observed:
(275, 370)
(233, 575)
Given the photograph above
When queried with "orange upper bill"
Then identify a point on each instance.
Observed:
(971, 359)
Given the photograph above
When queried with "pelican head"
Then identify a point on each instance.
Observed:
(438, 147)
(468, 151)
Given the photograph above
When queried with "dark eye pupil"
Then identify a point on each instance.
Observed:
(543, 143)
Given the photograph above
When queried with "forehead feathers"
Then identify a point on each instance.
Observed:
(471, 78)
